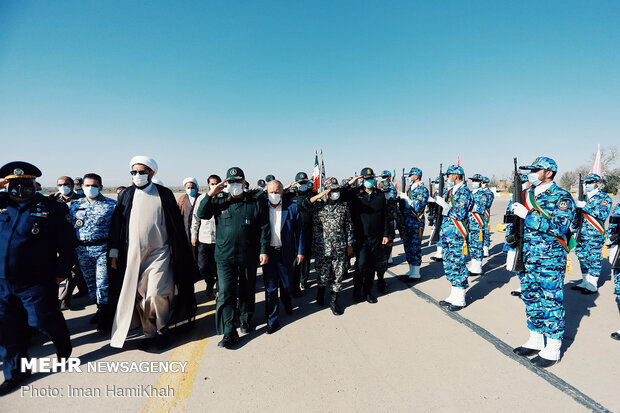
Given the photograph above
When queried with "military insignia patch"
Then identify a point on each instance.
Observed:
(233, 171)
(79, 223)
(462, 202)
(18, 172)
(35, 230)
(605, 202)
(563, 205)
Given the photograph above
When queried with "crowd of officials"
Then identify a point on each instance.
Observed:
(139, 256)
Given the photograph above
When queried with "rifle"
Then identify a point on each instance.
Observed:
(514, 262)
(431, 211)
(437, 210)
(579, 217)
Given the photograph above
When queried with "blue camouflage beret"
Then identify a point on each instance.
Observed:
(592, 178)
(415, 171)
(542, 162)
(486, 179)
(477, 177)
(455, 169)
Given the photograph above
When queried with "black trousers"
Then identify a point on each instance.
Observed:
(368, 256)
(206, 264)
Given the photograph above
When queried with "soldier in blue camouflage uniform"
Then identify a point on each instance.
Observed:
(478, 223)
(456, 207)
(332, 241)
(91, 217)
(508, 228)
(595, 209)
(547, 214)
(487, 230)
(396, 220)
(614, 239)
(415, 201)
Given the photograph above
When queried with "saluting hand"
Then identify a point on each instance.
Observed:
(355, 179)
(217, 189)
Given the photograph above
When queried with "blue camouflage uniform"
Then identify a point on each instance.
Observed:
(544, 253)
(452, 238)
(478, 221)
(36, 249)
(595, 213)
(415, 203)
(614, 235)
(491, 198)
(92, 225)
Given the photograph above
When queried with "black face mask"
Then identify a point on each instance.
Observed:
(22, 188)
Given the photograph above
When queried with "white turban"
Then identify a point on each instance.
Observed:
(144, 160)
(190, 179)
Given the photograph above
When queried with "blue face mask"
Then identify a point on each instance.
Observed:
(590, 187)
(369, 183)
(475, 185)
(533, 179)
(191, 192)
(303, 187)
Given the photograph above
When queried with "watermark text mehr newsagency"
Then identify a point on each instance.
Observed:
(74, 365)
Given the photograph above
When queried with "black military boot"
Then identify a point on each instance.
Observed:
(95, 318)
(320, 296)
(333, 303)
(104, 321)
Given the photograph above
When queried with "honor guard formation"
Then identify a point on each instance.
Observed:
(138, 257)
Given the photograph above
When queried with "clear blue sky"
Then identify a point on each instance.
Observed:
(201, 86)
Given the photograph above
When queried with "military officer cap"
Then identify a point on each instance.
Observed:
(78, 181)
(386, 174)
(542, 162)
(19, 170)
(415, 171)
(385, 186)
(435, 181)
(592, 178)
(367, 173)
(235, 173)
(301, 177)
(269, 178)
(332, 183)
(455, 169)
(261, 183)
(477, 177)
(486, 179)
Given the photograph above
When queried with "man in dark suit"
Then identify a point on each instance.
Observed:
(286, 248)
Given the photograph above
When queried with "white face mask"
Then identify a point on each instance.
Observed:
(475, 185)
(91, 192)
(140, 180)
(235, 189)
(334, 195)
(274, 198)
(64, 189)
(533, 178)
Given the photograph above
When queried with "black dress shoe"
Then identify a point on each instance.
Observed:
(65, 305)
(272, 328)
(371, 298)
(229, 340)
(444, 303)
(515, 293)
(11, 384)
(525, 352)
(81, 293)
(615, 335)
(146, 343)
(543, 362)
(412, 280)
(245, 327)
(453, 307)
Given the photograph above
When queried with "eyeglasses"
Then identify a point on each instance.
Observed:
(134, 173)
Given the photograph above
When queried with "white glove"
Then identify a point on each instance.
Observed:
(580, 204)
(403, 195)
(442, 202)
(519, 210)
(431, 199)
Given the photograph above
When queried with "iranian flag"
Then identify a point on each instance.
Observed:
(316, 173)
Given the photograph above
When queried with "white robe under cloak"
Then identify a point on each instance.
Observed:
(148, 284)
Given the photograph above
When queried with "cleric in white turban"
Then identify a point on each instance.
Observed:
(150, 253)
(186, 204)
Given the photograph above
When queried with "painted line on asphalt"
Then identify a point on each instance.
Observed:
(182, 383)
(506, 349)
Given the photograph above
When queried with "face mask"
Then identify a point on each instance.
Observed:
(389, 195)
(22, 188)
(369, 183)
(475, 185)
(334, 196)
(409, 181)
(450, 183)
(140, 180)
(191, 192)
(79, 192)
(590, 187)
(235, 189)
(274, 198)
(91, 192)
(303, 187)
(64, 189)
(533, 178)
(212, 186)
(437, 187)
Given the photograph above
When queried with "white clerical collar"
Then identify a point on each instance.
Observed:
(542, 188)
(592, 193)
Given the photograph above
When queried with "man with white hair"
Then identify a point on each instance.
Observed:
(186, 204)
(150, 251)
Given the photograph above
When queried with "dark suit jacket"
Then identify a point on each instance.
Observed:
(291, 232)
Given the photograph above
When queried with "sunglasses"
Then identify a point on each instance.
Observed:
(134, 173)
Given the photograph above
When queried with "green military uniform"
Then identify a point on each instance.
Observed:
(242, 234)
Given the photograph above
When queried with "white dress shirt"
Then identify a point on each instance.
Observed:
(275, 220)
